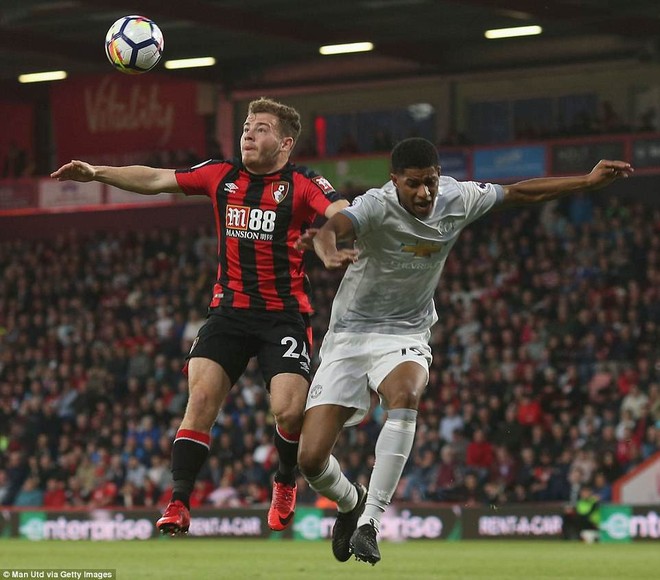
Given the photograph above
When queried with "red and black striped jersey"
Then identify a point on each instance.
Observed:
(258, 218)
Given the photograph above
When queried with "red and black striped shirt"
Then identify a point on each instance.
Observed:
(257, 219)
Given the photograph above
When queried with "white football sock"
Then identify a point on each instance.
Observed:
(392, 450)
(334, 485)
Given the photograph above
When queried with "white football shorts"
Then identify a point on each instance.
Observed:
(353, 363)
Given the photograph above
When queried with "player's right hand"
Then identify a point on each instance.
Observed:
(75, 171)
(306, 240)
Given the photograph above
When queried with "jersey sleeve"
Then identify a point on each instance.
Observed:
(319, 192)
(479, 198)
(202, 179)
(366, 212)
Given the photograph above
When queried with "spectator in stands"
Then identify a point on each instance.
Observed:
(524, 470)
(584, 460)
(17, 472)
(654, 402)
(450, 422)
(159, 474)
(539, 489)
(651, 442)
(4, 486)
(602, 487)
(626, 425)
(634, 402)
(191, 329)
(200, 493)
(469, 493)
(504, 469)
(136, 472)
(494, 494)
(479, 455)
(509, 432)
(131, 495)
(449, 475)
(30, 494)
(421, 476)
(75, 495)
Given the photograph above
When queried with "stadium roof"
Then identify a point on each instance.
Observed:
(269, 43)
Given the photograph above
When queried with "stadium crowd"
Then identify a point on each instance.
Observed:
(546, 371)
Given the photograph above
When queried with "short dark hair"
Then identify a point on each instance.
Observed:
(414, 152)
(288, 117)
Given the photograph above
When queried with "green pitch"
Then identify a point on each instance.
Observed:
(198, 559)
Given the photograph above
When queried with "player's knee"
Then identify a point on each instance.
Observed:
(202, 405)
(403, 391)
(310, 462)
(289, 419)
(408, 399)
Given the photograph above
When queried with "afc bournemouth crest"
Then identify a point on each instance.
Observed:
(280, 189)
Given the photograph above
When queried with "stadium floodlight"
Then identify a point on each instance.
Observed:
(53, 75)
(512, 32)
(346, 48)
(190, 62)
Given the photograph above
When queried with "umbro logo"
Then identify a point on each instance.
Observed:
(231, 188)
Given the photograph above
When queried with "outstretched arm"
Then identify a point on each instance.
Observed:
(135, 178)
(335, 207)
(549, 188)
(337, 228)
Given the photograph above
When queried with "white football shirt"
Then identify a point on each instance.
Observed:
(389, 290)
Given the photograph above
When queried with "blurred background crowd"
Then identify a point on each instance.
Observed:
(546, 371)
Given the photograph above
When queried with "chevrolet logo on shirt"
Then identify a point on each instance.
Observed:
(422, 249)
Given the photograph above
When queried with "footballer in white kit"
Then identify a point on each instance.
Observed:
(381, 320)
(384, 308)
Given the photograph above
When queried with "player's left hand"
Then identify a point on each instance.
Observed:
(340, 259)
(75, 170)
(306, 240)
(606, 171)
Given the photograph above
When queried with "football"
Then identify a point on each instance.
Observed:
(134, 44)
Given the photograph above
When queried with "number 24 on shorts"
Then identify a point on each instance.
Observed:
(292, 343)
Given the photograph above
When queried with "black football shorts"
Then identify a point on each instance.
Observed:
(281, 341)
